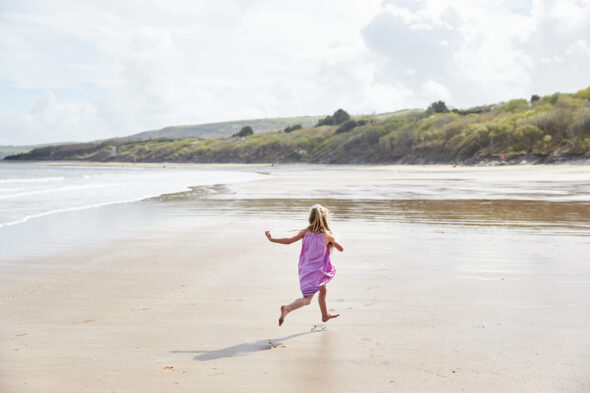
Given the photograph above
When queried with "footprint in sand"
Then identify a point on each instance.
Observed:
(272, 345)
(85, 321)
(213, 372)
(319, 326)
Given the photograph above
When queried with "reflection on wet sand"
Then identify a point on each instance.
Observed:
(514, 213)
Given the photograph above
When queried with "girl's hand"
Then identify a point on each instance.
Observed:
(267, 233)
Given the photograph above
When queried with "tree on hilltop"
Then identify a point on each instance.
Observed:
(437, 107)
(339, 117)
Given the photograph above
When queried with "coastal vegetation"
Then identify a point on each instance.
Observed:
(292, 128)
(244, 132)
(339, 117)
(9, 150)
(219, 130)
(541, 129)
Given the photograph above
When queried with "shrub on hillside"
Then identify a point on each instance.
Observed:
(518, 105)
(584, 93)
(475, 138)
(349, 125)
(292, 128)
(346, 126)
(525, 137)
(552, 99)
(326, 121)
(580, 127)
(245, 131)
(570, 102)
(475, 110)
(553, 123)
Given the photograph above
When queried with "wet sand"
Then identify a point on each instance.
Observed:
(437, 293)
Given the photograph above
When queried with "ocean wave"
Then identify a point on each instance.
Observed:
(90, 190)
(60, 189)
(68, 209)
(33, 180)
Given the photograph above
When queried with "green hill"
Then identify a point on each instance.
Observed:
(7, 150)
(218, 130)
(544, 129)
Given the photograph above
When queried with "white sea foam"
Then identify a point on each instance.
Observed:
(32, 179)
(45, 213)
(59, 189)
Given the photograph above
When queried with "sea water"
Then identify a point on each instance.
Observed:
(30, 191)
(52, 208)
(47, 209)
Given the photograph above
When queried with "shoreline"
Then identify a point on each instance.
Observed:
(127, 164)
(380, 175)
(167, 164)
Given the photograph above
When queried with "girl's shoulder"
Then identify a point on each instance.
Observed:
(307, 232)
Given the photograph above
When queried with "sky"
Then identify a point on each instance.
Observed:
(86, 70)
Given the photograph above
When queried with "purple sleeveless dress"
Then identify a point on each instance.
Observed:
(315, 268)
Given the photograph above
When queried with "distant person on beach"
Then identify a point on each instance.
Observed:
(315, 269)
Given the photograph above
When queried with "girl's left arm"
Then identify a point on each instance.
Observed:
(331, 240)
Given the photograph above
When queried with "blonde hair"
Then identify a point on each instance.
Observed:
(318, 220)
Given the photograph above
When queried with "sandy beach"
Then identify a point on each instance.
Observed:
(445, 291)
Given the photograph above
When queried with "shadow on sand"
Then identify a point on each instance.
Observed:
(246, 348)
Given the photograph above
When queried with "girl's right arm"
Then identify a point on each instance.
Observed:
(286, 240)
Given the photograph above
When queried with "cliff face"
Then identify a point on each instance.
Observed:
(553, 128)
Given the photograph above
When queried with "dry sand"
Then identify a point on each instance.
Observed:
(424, 308)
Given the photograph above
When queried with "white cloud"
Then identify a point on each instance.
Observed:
(175, 63)
(580, 47)
(49, 117)
(436, 91)
(114, 68)
(487, 51)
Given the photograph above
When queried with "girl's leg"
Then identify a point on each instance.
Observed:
(298, 303)
(323, 307)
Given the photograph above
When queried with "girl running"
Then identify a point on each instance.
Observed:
(315, 269)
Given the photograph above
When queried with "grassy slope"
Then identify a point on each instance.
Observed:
(555, 126)
(219, 130)
(10, 150)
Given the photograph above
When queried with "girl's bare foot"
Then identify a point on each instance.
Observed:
(284, 313)
(326, 318)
